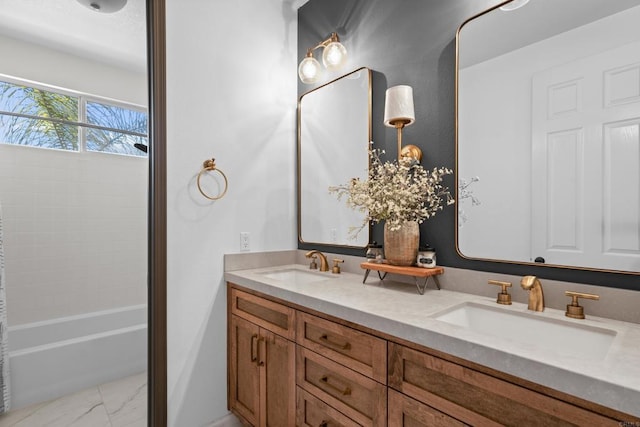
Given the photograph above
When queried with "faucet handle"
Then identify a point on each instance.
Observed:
(336, 267)
(503, 297)
(314, 264)
(574, 310)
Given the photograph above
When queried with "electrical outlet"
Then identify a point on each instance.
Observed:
(334, 235)
(244, 241)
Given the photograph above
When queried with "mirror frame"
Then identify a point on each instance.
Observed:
(457, 124)
(157, 244)
(299, 154)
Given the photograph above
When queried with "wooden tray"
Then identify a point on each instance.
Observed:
(414, 272)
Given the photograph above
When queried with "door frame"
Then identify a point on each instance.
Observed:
(157, 240)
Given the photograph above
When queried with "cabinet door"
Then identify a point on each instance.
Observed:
(277, 380)
(406, 412)
(244, 372)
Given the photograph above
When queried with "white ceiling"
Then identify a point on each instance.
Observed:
(118, 38)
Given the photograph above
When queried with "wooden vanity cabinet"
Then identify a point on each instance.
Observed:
(261, 356)
(290, 367)
(477, 398)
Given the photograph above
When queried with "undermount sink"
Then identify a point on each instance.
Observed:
(563, 337)
(300, 277)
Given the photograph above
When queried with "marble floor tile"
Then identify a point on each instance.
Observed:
(126, 401)
(82, 409)
(229, 420)
(121, 403)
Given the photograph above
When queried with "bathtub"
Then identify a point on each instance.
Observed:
(53, 358)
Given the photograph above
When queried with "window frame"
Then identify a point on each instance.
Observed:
(82, 124)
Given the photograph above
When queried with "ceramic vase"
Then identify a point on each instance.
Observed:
(401, 246)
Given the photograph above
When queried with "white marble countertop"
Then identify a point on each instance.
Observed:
(394, 308)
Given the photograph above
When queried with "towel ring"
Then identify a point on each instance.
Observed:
(210, 165)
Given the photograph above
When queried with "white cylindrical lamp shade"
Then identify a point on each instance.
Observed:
(398, 106)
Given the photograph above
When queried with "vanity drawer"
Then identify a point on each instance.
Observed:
(477, 398)
(407, 412)
(358, 397)
(312, 412)
(270, 315)
(362, 352)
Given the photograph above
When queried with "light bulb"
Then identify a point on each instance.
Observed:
(334, 56)
(309, 70)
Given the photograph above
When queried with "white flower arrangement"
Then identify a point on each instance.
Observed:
(396, 192)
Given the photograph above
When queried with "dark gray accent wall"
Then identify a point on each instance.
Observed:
(413, 42)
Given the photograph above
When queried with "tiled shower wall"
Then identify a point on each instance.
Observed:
(75, 231)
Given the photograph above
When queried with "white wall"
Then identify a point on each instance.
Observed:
(75, 224)
(33, 62)
(231, 71)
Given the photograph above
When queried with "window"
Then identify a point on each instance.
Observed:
(48, 118)
(120, 129)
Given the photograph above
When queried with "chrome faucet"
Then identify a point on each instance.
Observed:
(536, 296)
(324, 265)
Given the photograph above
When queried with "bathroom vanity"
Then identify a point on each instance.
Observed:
(315, 349)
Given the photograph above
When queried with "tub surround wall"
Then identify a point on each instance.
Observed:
(75, 223)
(415, 45)
(75, 232)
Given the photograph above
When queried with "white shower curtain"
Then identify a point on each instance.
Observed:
(4, 357)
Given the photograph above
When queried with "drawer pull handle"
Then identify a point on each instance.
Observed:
(323, 424)
(325, 339)
(261, 353)
(345, 392)
(254, 351)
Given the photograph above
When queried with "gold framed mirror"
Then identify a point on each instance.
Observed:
(548, 118)
(334, 131)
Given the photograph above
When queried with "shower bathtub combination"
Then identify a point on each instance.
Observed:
(53, 358)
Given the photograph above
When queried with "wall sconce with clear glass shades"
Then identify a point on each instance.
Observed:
(334, 56)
